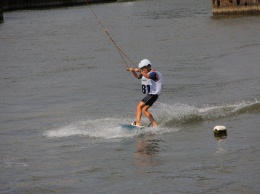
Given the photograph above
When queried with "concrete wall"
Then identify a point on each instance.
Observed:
(1, 12)
(235, 7)
(9, 5)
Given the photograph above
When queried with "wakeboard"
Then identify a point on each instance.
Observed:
(129, 126)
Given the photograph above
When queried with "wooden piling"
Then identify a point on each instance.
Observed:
(235, 7)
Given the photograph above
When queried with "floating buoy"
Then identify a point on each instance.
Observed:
(220, 130)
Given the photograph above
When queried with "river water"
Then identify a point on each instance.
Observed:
(65, 92)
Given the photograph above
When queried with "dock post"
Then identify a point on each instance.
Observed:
(235, 7)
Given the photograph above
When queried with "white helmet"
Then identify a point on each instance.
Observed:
(144, 63)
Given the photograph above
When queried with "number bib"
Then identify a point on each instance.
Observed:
(146, 85)
(152, 86)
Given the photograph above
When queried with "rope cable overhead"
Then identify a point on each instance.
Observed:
(120, 51)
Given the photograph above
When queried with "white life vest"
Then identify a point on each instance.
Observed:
(150, 86)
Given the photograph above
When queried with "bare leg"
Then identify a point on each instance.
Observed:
(139, 108)
(149, 115)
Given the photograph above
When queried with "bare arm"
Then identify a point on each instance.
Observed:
(134, 71)
(146, 75)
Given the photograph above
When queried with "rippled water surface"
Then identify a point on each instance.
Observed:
(65, 92)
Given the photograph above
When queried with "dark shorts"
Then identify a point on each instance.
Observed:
(149, 99)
